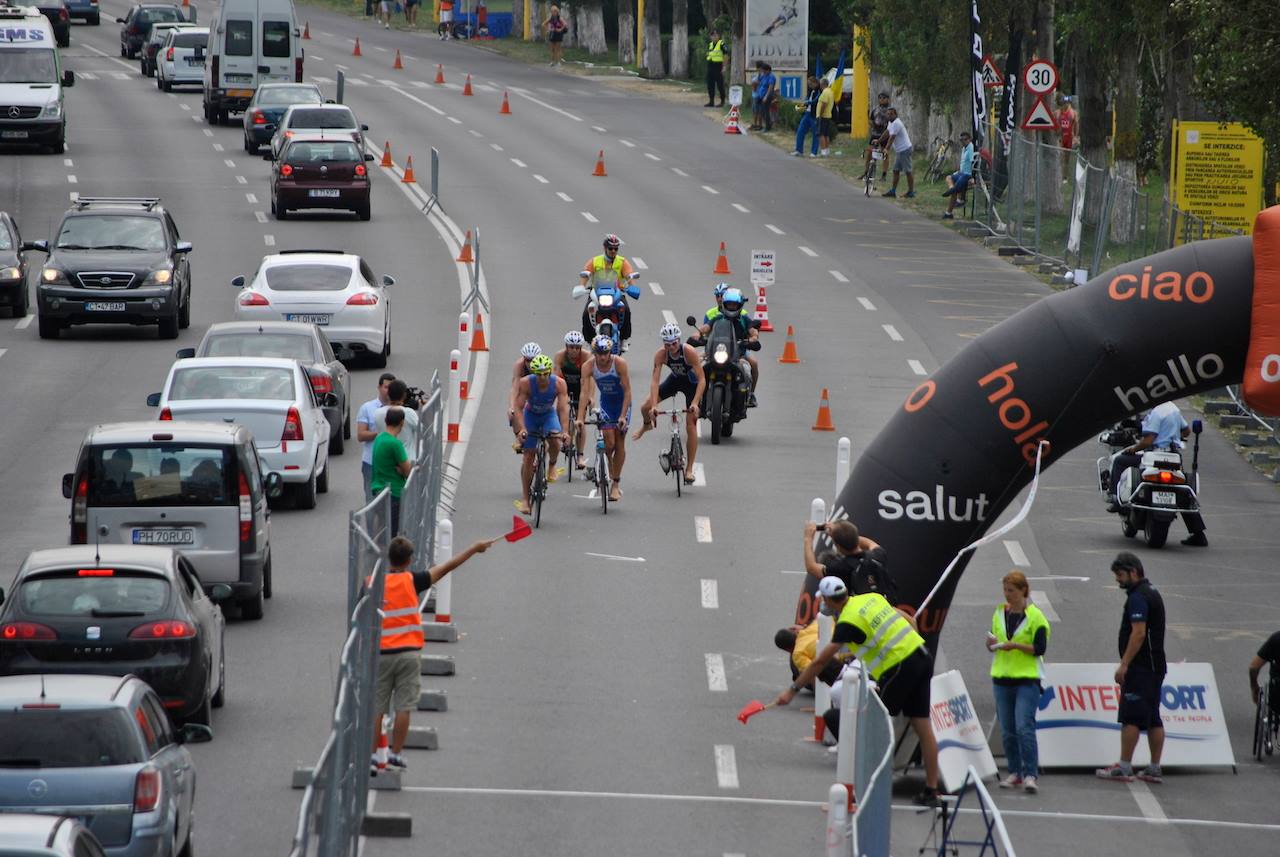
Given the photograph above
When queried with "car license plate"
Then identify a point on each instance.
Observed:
(13, 135)
(324, 193)
(308, 318)
(104, 306)
(1164, 498)
(169, 536)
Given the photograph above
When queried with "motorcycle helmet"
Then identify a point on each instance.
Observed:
(541, 365)
(530, 350)
(602, 345)
(732, 303)
(612, 242)
(670, 332)
(574, 337)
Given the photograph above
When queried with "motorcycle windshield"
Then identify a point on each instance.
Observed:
(723, 330)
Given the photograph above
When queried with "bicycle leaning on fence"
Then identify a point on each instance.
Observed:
(939, 162)
(672, 460)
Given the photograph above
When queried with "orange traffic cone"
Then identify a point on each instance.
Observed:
(824, 414)
(762, 312)
(408, 178)
(506, 105)
(477, 335)
(599, 170)
(386, 155)
(306, 30)
(356, 51)
(384, 750)
(465, 255)
(466, 87)
(439, 73)
(397, 63)
(789, 354)
(722, 262)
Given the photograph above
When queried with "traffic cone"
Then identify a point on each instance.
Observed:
(824, 414)
(408, 178)
(789, 354)
(386, 155)
(356, 51)
(722, 262)
(466, 87)
(306, 30)
(731, 122)
(397, 63)
(599, 171)
(762, 311)
(465, 255)
(506, 105)
(439, 73)
(477, 335)
(384, 749)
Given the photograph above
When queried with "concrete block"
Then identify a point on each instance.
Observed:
(1236, 421)
(302, 777)
(997, 241)
(433, 700)
(440, 632)
(389, 824)
(437, 665)
(1248, 438)
(975, 230)
(1061, 280)
(1050, 268)
(1263, 458)
(1010, 251)
(422, 738)
(1024, 261)
(386, 781)
(1219, 407)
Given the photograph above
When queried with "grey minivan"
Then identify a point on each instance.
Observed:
(196, 486)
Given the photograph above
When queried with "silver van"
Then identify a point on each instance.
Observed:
(195, 486)
(250, 42)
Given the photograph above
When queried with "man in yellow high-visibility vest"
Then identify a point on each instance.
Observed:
(715, 68)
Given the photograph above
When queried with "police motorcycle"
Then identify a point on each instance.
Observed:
(607, 309)
(728, 374)
(1150, 495)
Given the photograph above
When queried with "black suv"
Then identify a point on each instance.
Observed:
(115, 260)
(136, 25)
(13, 267)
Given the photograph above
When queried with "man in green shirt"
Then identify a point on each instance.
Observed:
(391, 464)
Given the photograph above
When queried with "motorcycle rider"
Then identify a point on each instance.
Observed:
(610, 377)
(731, 304)
(1163, 428)
(608, 267)
(569, 362)
(542, 402)
(686, 377)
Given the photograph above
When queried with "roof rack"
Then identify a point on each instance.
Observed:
(145, 202)
(7, 11)
(336, 252)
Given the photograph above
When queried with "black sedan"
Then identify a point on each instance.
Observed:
(116, 610)
(13, 268)
(59, 16)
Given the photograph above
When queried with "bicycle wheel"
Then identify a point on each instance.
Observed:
(1260, 725)
(570, 453)
(677, 463)
(602, 481)
(539, 482)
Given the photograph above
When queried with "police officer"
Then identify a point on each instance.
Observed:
(715, 68)
(1163, 428)
(885, 640)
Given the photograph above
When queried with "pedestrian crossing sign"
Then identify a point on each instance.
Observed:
(991, 76)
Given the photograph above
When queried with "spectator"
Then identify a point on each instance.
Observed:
(384, 12)
(801, 644)
(366, 430)
(826, 127)
(878, 118)
(482, 19)
(762, 98)
(896, 136)
(391, 464)
(399, 660)
(446, 20)
(715, 68)
(1018, 637)
(958, 182)
(397, 392)
(1067, 122)
(808, 121)
(859, 563)
(555, 28)
(411, 12)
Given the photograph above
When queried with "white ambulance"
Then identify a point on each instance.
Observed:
(31, 80)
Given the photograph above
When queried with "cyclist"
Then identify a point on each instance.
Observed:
(731, 304)
(686, 377)
(609, 376)
(879, 120)
(608, 267)
(520, 369)
(542, 401)
(1268, 654)
(569, 362)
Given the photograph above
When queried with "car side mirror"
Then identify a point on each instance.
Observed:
(66, 484)
(364, 127)
(68, 78)
(688, 319)
(153, 400)
(1197, 426)
(220, 592)
(182, 247)
(194, 733)
(330, 101)
(368, 157)
(42, 246)
(388, 280)
(238, 281)
(579, 291)
(119, 20)
(329, 400)
(274, 484)
(185, 353)
(1, 595)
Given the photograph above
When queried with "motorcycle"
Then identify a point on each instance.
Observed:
(607, 309)
(728, 374)
(1157, 490)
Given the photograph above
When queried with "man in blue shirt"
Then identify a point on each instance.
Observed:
(958, 181)
(1163, 428)
(762, 98)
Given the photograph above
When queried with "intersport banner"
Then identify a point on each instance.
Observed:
(964, 442)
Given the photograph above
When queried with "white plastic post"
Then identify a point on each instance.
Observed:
(844, 460)
(444, 552)
(848, 732)
(454, 403)
(464, 349)
(837, 820)
(818, 510)
(821, 692)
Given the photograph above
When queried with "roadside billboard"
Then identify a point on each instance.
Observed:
(778, 33)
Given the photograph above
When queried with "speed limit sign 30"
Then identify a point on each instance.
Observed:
(1040, 77)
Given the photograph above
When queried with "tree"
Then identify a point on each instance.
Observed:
(652, 59)
(679, 39)
(626, 32)
(590, 27)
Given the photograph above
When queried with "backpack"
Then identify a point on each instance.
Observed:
(872, 575)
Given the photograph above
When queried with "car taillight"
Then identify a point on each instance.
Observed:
(246, 511)
(23, 631)
(168, 55)
(321, 383)
(361, 171)
(1164, 477)
(63, 16)
(362, 299)
(292, 425)
(259, 118)
(286, 170)
(165, 414)
(253, 299)
(96, 572)
(80, 512)
(146, 790)
(297, 70)
(169, 629)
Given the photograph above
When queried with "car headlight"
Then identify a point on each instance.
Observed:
(52, 110)
(10, 274)
(160, 277)
(54, 276)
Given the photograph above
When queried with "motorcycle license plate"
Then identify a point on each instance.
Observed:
(1164, 498)
(104, 306)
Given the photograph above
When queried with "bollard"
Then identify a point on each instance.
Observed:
(444, 553)
(837, 821)
(464, 343)
(821, 692)
(454, 398)
(844, 457)
(818, 510)
(849, 698)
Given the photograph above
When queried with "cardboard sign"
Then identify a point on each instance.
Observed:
(735, 95)
(763, 267)
(962, 740)
(1076, 724)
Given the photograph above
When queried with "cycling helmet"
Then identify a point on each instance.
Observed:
(670, 332)
(734, 297)
(541, 365)
(612, 242)
(720, 289)
(574, 337)
(530, 350)
(602, 345)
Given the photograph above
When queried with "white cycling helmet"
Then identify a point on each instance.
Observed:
(670, 332)
(574, 337)
(530, 350)
(602, 345)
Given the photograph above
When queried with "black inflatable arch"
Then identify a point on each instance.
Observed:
(964, 443)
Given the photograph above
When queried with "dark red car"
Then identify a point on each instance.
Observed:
(315, 171)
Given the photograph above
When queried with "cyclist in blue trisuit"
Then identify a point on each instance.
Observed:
(686, 377)
(542, 407)
(609, 383)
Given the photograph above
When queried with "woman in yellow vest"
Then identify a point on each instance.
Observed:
(1019, 636)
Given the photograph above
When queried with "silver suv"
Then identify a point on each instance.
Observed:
(195, 486)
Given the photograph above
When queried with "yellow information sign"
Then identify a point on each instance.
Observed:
(1217, 172)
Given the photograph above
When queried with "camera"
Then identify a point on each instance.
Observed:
(822, 528)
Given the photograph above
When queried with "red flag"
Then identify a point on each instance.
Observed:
(521, 529)
(751, 709)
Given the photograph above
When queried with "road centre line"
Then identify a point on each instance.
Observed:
(378, 48)
(3, 351)
(519, 163)
(893, 332)
(680, 172)
(269, 240)
(421, 84)
(71, 179)
(867, 304)
(114, 59)
(615, 557)
(656, 289)
(627, 143)
(416, 99)
(726, 767)
(716, 680)
(261, 216)
(668, 317)
(1046, 607)
(251, 198)
(699, 475)
(1146, 801)
(66, 162)
(541, 179)
(589, 216)
(229, 163)
(208, 132)
(807, 251)
(917, 367)
(196, 119)
(474, 133)
(598, 128)
(775, 230)
(217, 147)
(709, 189)
(651, 156)
(564, 196)
(386, 81)
(24, 322)
(710, 594)
(242, 180)
(185, 106)
(839, 277)
(541, 103)
(454, 119)
(495, 147)
(639, 263)
(1016, 554)
(741, 208)
(702, 528)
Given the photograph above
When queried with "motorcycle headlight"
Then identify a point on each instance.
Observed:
(606, 301)
(10, 274)
(159, 277)
(54, 276)
(52, 110)
(721, 355)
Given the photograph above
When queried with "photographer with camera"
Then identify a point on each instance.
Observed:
(860, 563)
(398, 394)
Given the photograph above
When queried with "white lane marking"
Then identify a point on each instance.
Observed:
(319, 79)
(1060, 577)
(242, 180)
(656, 289)
(709, 189)
(421, 84)
(251, 198)
(1016, 554)
(386, 81)
(378, 48)
(716, 680)
(788, 571)
(229, 163)
(269, 240)
(4, 350)
(24, 322)
(88, 75)
(474, 133)
(541, 103)
(355, 81)
(710, 594)
(196, 119)
(627, 143)
(564, 196)
(742, 208)
(218, 147)
(618, 558)
(74, 195)
(66, 162)
(651, 156)
(726, 767)
(185, 106)
(454, 119)
(775, 230)
(71, 179)
(808, 252)
(893, 332)
(639, 263)
(119, 75)
(317, 58)
(495, 147)
(541, 179)
(839, 277)
(207, 132)
(702, 528)
(261, 216)
(417, 100)
(1146, 801)
(341, 66)
(591, 218)
(867, 304)
(917, 367)
(679, 172)
(699, 475)
(366, 74)
(1042, 601)
(519, 163)
(598, 128)
(668, 316)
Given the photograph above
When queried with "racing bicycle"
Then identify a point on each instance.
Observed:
(672, 461)
(1266, 722)
(538, 487)
(598, 471)
(570, 449)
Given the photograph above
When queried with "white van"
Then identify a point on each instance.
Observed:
(250, 42)
(31, 80)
